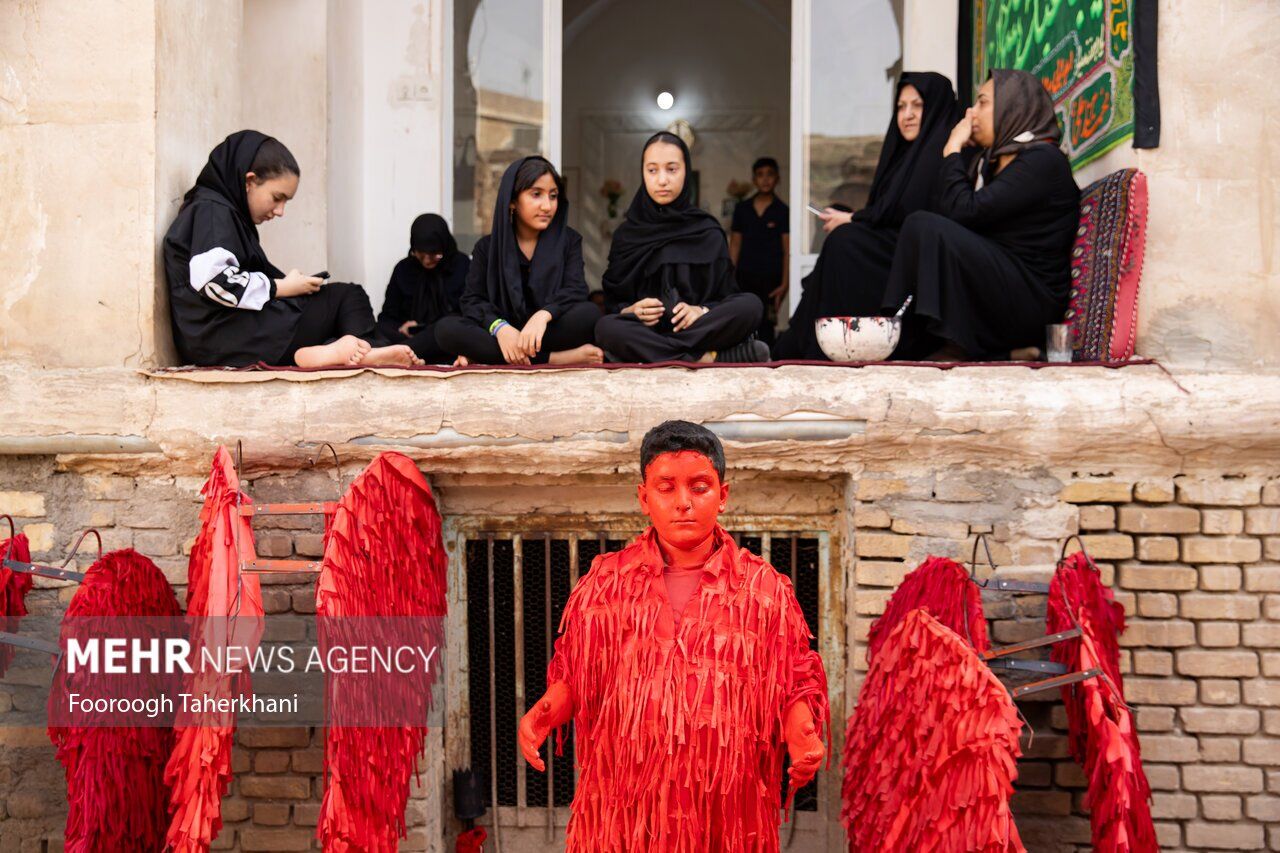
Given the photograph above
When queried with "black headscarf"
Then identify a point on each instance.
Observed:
(654, 235)
(1022, 114)
(503, 283)
(906, 172)
(222, 181)
(430, 233)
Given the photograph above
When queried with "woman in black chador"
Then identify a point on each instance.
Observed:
(426, 286)
(526, 296)
(669, 288)
(852, 271)
(229, 305)
(991, 268)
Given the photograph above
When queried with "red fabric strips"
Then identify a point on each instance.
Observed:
(943, 589)
(678, 726)
(931, 750)
(116, 793)
(384, 557)
(225, 611)
(14, 587)
(1101, 733)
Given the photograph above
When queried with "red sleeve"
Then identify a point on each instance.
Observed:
(808, 678)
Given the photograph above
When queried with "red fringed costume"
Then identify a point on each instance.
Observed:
(931, 751)
(1100, 728)
(384, 557)
(941, 587)
(116, 793)
(14, 587)
(225, 609)
(680, 726)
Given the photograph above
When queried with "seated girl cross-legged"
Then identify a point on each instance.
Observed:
(525, 300)
(670, 284)
(229, 305)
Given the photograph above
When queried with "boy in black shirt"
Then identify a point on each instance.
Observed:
(759, 244)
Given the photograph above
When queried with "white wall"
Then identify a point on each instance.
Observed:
(284, 93)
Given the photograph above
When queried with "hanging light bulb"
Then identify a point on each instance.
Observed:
(666, 100)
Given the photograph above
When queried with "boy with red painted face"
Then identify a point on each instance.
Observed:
(685, 665)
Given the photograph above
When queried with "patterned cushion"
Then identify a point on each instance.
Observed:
(1106, 266)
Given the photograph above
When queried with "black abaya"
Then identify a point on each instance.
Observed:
(674, 252)
(852, 269)
(991, 269)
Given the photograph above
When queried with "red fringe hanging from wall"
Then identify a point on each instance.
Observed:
(116, 793)
(384, 557)
(941, 587)
(226, 610)
(1101, 733)
(931, 750)
(14, 587)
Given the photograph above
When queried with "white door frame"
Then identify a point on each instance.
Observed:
(800, 261)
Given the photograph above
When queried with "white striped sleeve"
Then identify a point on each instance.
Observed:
(217, 275)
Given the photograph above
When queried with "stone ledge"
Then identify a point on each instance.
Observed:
(1090, 420)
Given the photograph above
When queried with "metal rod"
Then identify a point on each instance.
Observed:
(44, 571)
(29, 643)
(268, 567)
(1027, 645)
(517, 606)
(551, 753)
(1051, 683)
(76, 547)
(1029, 665)
(310, 508)
(493, 714)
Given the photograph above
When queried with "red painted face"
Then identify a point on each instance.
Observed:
(683, 496)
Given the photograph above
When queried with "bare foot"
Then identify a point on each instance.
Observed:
(707, 357)
(585, 354)
(346, 351)
(461, 361)
(397, 355)
(949, 352)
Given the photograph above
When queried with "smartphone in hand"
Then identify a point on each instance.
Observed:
(814, 209)
(321, 275)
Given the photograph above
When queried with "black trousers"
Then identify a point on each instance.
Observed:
(729, 322)
(336, 309)
(465, 337)
(762, 285)
(423, 343)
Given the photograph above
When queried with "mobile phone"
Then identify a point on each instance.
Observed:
(324, 274)
(812, 208)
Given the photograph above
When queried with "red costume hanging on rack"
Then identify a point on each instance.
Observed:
(14, 587)
(116, 795)
(225, 611)
(931, 750)
(941, 587)
(679, 726)
(384, 573)
(1100, 728)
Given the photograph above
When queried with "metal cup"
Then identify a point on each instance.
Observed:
(1058, 343)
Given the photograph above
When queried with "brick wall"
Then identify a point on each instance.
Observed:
(1196, 564)
(274, 800)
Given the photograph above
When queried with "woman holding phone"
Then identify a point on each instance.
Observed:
(852, 270)
(229, 305)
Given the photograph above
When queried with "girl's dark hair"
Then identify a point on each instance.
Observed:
(529, 172)
(675, 436)
(274, 160)
(664, 136)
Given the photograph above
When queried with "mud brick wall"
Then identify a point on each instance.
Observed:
(1196, 564)
(274, 800)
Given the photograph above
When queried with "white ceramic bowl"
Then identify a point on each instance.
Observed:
(858, 338)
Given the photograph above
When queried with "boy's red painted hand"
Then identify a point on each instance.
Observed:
(804, 746)
(550, 712)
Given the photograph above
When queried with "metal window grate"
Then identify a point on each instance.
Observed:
(517, 586)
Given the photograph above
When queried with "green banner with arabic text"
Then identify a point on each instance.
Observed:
(1081, 50)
